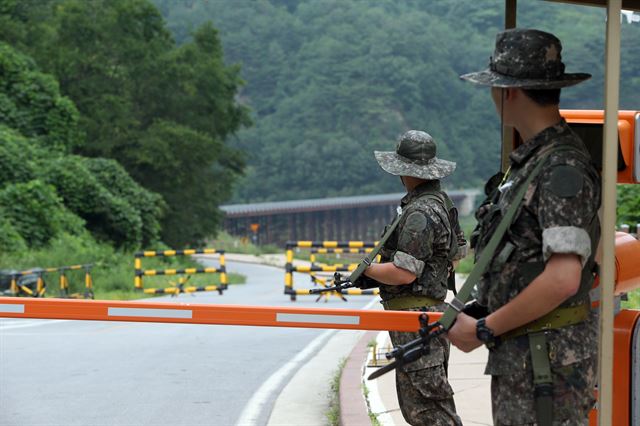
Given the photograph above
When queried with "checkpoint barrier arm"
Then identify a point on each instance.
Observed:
(186, 313)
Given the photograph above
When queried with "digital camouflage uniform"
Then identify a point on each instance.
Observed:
(422, 245)
(558, 215)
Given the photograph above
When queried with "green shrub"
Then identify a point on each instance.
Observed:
(10, 238)
(629, 204)
(108, 217)
(17, 156)
(37, 213)
(149, 205)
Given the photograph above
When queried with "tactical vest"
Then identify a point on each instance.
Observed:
(450, 217)
(489, 216)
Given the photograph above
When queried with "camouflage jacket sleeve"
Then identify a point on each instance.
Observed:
(415, 241)
(568, 202)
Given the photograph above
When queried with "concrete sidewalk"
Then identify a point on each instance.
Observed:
(471, 387)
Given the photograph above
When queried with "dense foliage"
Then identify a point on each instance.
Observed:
(629, 205)
(162, 111)
(329, 81)
(44, 190)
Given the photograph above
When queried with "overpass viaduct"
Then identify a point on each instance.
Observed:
(338, 218)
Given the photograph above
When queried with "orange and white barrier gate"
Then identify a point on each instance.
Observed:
(185, 313)
(324, 247)
(179, 287)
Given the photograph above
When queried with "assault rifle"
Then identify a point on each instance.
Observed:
(413, 350)
(340, 283)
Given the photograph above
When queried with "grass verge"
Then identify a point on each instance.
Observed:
(112, 272)
(232, 244)
(333, 415)
(372, 416)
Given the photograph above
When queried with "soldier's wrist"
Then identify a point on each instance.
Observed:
(485, 334)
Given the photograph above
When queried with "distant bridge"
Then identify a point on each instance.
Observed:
(339, 218)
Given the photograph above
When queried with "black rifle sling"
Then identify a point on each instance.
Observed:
(364, 264)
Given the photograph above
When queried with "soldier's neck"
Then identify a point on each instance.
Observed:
(536, 119)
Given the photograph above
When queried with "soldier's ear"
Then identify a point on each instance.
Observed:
(511, 93)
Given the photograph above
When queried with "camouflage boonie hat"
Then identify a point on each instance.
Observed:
(415, 155)
(528, 59)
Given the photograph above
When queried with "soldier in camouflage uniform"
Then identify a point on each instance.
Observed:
(416, 263)
(543, 268)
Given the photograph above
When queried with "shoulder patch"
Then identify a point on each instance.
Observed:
(416, 222)
(565, 181)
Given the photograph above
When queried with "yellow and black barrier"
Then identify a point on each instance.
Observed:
(19, 289)
(338, 251)
(180, 286)
(324, 247)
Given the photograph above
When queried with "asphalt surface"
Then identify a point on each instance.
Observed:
(90, 373)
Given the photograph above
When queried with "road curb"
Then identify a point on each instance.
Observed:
(353, 407)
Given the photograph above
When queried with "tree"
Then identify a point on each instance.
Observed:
(192, 170)
(44, 189)
(116, 60)
(629, 204)
(353, 74)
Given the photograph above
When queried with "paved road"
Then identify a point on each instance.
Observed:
(89, 373)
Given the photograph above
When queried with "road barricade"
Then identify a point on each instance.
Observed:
(180, 286)
(314, 267)
(31, 283)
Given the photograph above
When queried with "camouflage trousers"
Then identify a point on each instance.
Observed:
(573, 396)
(424, 393)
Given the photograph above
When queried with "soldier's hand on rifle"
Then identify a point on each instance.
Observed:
(339, 283)
(463, 333)
(365, 282)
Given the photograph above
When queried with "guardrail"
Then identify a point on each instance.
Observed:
(179, 287)
(324, 247)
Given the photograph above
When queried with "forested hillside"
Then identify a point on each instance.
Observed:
(85, 81)
(329, 81)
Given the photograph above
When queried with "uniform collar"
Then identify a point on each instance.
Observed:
(428, 186)
(521, 154)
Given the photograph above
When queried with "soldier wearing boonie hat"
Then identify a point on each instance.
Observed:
(416, 270)
(532, 306)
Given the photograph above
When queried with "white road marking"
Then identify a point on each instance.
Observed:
(11, 325)
(252, 410)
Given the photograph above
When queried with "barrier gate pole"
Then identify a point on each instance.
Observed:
(269, 316)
